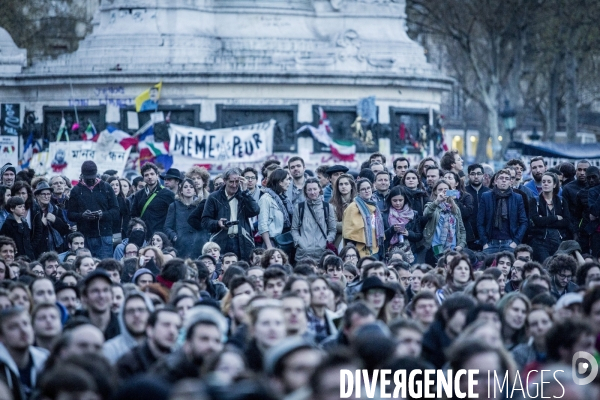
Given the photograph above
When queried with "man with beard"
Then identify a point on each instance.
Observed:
(68, 297)
(50, 261)
(152, 203)
(161, 336)
(584, 226)
(501, 218)
(133, 321)
(204, 332)
(486, 290)
(571, 190)
(537, 165)
(20, 361)
(476, 189)
(96, 296)
(432, 175)
(295, 191)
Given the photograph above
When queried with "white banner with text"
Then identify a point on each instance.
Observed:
(65, 158)
(238, 144)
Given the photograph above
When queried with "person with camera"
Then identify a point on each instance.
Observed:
(464, 201)
(227, 215)
(93, 206)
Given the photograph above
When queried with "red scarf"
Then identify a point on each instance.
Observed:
(164, 282)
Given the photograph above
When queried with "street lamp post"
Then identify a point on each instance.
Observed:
(509, 118)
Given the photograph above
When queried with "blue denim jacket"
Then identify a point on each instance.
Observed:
(270, 218)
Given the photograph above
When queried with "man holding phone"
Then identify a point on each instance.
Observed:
(227, 215)
(501, 218)
(93, 206)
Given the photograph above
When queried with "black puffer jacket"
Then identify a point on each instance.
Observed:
(21, 234)
(100, 198)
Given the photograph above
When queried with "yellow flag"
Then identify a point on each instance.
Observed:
(148, 99)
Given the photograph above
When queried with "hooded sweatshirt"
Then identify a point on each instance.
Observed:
(121, 344)
(10, 370)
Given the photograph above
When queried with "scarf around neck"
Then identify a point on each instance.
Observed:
(96, 182)
(501, 212)
(284, 205)
(402, 217)
(366, 216)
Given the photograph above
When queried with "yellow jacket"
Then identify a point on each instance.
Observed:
(354, 230)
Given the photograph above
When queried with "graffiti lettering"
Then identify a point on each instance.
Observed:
(108, 90)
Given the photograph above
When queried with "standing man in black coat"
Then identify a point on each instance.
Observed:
(571, 190)
(152, 202)
(476, 189)
(227, 215)
(93, 206)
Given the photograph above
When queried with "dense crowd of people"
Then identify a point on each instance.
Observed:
(266, 285)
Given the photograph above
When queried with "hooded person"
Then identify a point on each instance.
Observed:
(93, 206)
(29, 359)
(133, 319)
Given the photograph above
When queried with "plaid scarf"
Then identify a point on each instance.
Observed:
(447, 222)
(367, 220)
(402, 217)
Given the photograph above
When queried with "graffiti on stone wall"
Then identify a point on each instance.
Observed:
(104, 95)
